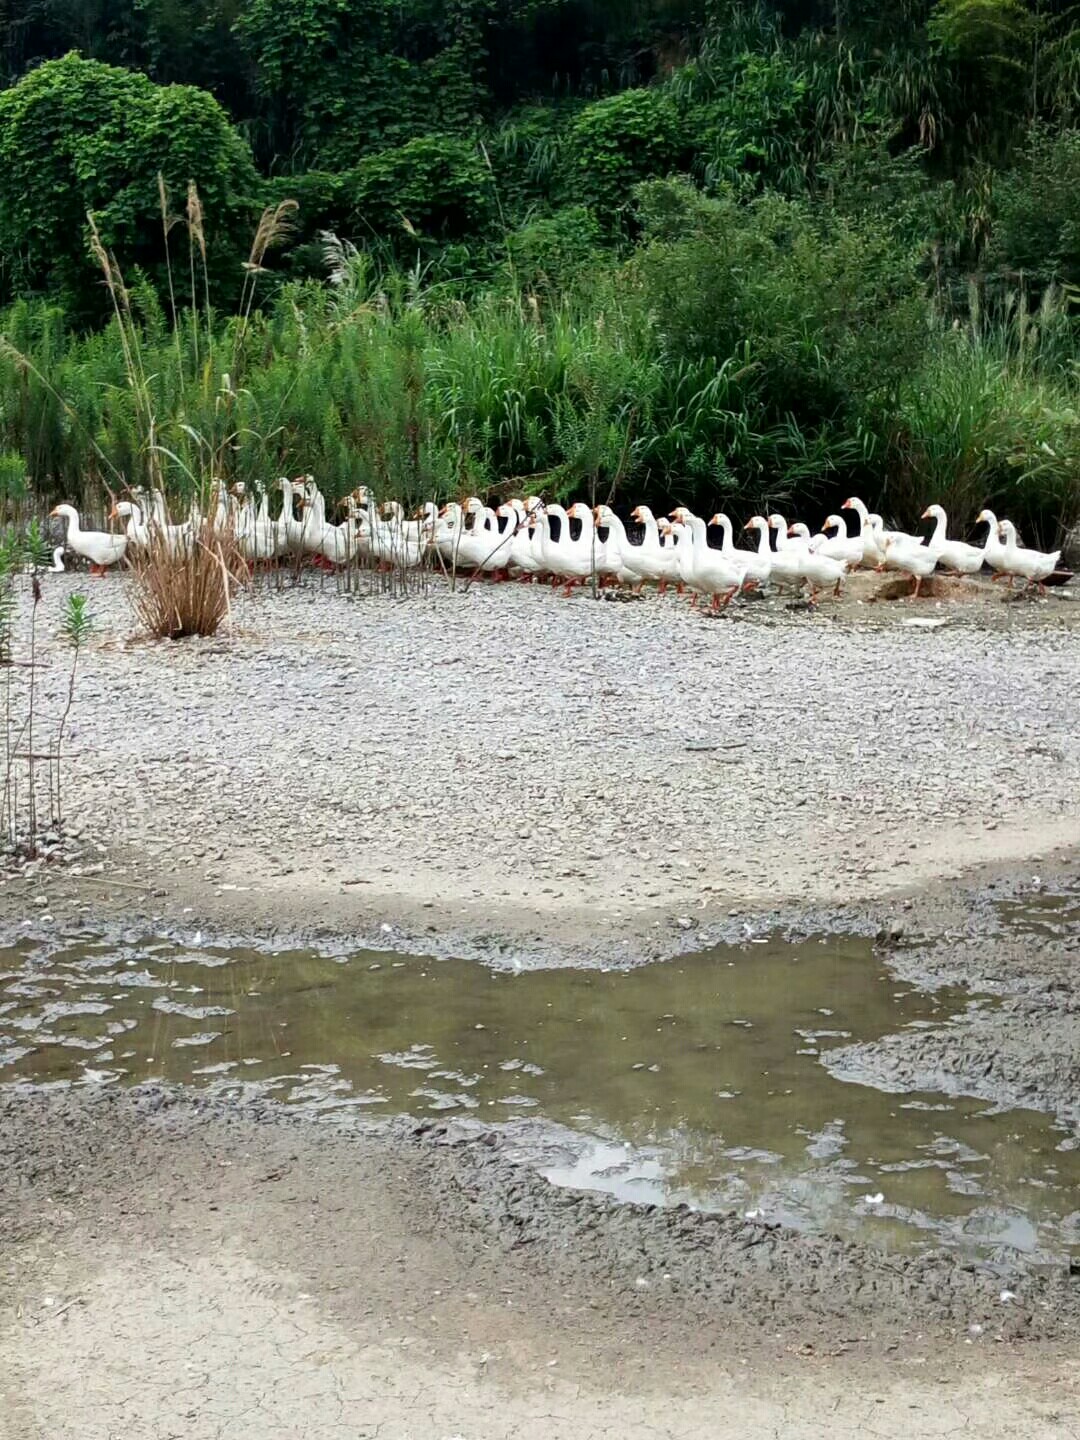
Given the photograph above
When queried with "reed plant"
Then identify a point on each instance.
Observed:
(33, 742)
(182, 589)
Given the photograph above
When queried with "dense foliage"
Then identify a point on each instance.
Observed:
(776, 250)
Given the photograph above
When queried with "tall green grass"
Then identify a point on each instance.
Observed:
(378, 380)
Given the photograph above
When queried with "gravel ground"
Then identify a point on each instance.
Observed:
(560, 774)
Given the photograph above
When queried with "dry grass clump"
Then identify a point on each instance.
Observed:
(182, 587)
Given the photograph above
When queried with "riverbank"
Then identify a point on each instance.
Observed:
(506, 776)
(570, 779)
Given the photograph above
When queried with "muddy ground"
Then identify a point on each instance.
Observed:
(169, 1271)
(485, 775)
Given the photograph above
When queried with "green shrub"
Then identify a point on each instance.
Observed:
(434, 188)
(75, 136)
(614, 143)
(553, 251)
(1037, 227)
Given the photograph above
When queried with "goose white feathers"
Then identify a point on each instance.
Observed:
(918, 561)
(820, 570)
(952, 554)
(1034, 566)
(98, 546)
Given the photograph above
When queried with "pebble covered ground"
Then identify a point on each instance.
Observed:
(565, 757)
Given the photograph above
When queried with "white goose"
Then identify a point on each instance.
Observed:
(97, 546)
(1032, 565)
(953, 554)
(788, 552)
(652, 559)
(820, 570)
(334, 543)
(759, 564)
(871, 533)
(525, 556)
(619, 554)
(136, 530)
(571, 561)
(256, 533)
(288, 529)
(918, 561)
(994, 549)
(480, 547)
(841, 546)
(704, 570)
(449, 528)
(603, 555)
(755, 566)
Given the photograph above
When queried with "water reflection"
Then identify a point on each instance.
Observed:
(696, 1080)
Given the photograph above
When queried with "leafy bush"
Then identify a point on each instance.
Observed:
(437, 188)
(614, 143)
(343, 78)
(553, 251)
(828, 312)
(751, 121)
(77, 136)
(1037, 228)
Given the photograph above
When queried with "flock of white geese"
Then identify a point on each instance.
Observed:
(533, 538)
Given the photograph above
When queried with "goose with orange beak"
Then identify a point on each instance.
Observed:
(871, 533)
(759, 563)
(97, 546)
(654, 560)
(952, 554)
(1034, 566)
(705, 570)
(818, 569)
(918, 561)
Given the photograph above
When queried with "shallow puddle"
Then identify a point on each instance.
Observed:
(697, 1080)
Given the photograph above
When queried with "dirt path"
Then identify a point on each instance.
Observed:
(171, 1275)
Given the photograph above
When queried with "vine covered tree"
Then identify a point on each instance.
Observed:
(77, 136)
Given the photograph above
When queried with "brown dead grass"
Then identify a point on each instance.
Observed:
(186, 590)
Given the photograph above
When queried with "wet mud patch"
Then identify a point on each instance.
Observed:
(1021, 1051)
(696, 1082)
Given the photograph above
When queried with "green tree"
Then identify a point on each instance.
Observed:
(78, 136)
